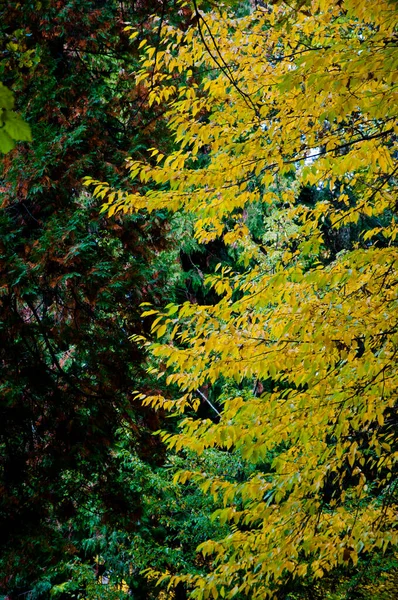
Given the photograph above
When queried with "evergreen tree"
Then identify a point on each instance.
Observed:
(70, 280)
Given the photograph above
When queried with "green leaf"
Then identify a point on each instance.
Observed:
(16, 127)
(6, 98)
(6, 142)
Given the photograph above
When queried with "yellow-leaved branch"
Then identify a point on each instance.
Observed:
(261, 106)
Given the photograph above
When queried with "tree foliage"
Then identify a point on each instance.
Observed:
(70, 285)
(283, 99)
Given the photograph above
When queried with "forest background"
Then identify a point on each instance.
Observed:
(236, 291)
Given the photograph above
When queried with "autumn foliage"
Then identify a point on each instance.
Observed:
(283, 104)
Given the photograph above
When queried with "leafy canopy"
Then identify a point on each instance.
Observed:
(261, 105)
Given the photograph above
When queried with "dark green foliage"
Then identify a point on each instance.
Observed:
(70, 283)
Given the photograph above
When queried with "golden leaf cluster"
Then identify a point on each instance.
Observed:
(304, 93)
